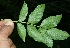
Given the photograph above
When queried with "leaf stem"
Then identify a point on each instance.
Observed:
(25, 22)
(15, 21)
(18, 21)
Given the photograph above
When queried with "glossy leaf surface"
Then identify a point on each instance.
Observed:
(51, 22)
(21, 31)
(23, 12)
(37, 14)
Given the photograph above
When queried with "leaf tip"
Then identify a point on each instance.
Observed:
(43, 5)
(24, 1)
(24, 39)
(60, 16)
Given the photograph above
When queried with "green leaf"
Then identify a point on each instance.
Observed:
(51, 21)
(37, 36)
(33, 32)
(57, 34)
(23, 12)
(37, 14)
(21, 31)
(42, 30)
(47, 39)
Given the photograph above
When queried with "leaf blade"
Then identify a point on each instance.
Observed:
(47, 39)
(23, 12)
(21, 31)
(51, 21)
(37, 14)
(57, 34)
(32, 32)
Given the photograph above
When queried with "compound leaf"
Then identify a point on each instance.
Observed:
(21, 31)
(23, 12)
(37, 14)
(51, 21)
(57, 34)
(33, 32)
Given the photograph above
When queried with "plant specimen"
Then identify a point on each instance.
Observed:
(46, 32)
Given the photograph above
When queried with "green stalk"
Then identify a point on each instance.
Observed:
(24, 22)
